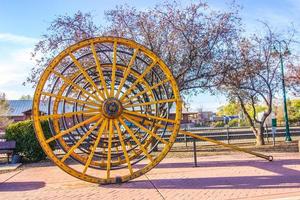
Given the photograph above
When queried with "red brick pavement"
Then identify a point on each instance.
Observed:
(235, 176)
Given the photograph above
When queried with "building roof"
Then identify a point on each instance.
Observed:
(18, 107)
(183, 111)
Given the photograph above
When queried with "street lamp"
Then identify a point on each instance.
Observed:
(281, 48)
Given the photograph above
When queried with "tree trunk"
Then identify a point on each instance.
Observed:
(260, 136)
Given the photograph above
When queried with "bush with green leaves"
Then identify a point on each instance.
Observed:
(233, 123)
(27, 144)
(218, 124)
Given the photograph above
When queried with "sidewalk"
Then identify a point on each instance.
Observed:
(234, 176)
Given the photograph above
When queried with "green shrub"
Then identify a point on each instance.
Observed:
(233, 123)
(218, 124)
(27, 144)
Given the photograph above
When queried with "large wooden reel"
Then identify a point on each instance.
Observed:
(107, 101)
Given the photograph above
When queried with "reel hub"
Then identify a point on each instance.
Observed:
(112, 108)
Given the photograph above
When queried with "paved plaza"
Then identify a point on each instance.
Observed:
(234, 176)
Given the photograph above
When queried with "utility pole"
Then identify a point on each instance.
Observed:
(278, 47)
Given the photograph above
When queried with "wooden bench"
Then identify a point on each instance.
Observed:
(7, 147)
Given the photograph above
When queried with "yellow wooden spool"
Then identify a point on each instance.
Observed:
(107, 101)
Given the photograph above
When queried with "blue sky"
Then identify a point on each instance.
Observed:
(23, 22)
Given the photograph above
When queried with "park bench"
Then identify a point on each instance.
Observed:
(7, 147)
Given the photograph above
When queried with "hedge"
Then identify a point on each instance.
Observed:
(26, 143)
(218, 124)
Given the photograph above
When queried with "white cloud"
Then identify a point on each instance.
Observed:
(8, 37)
(23, 56)
(15, 66)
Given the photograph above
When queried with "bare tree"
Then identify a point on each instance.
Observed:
(293, 76)
(188, 39)
(4, 112)
(61, 33)
(251, 76)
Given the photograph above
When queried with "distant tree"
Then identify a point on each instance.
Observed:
(233, 123)
(293, 112)
(251, 76)
(4, 111)
(230, 108)
(293, 76)
(26, 97)
(218, 124)
(234, 108)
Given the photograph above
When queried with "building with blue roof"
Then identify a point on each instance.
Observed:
(20, 110)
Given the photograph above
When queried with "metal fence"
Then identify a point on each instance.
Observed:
(232, 135)
(235, 135)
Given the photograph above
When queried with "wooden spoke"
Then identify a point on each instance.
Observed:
(64, 132)
(144, 110)
(110, 134)
(75, 85)
(148, 122)
(88, 162)
(113, 71)
(123, 146)
(85, 74)
(99, 69)
(138, 79)
(68, 114)
(126, 72)
(112, 126)
(136, 140)
(150, 103)
(211, 140)
(144, 91)
(130, 146)
(148, 116)
(79, 142)
(117, 152)
(69, 99)
(145, 129)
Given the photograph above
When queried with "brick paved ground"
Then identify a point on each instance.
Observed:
(234, 176)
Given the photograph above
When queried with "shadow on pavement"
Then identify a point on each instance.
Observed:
(241, 182)
(283, 177)
(21, 186)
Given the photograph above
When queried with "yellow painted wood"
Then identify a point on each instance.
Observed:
(95, 101)
(145, 129)
(81, 140)
(71, 100)
(64, 132)
(110, 133)
(113, 72)
(150, 103)
(267, 157)
(127, 72)
(123, 146)
(136, 140)
(68, 114)
(148, 69)
(76, 86)
(144, 91)
(149, 116)
(98, 67)
(87, 164)
(85, 74)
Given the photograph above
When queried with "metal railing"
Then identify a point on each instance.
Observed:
(235, 134)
